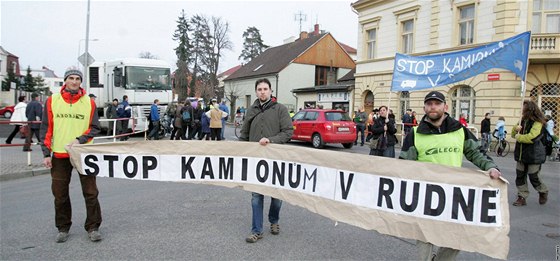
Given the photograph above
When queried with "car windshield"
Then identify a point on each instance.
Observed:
(147, 78)
(337, 116)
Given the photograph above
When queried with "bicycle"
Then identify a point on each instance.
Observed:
(503, 149)
(238, 122)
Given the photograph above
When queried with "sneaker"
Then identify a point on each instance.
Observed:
(94, 236)
(275, 229)
(254, 238)
(543, 197)
(520, 201)
(62, 237)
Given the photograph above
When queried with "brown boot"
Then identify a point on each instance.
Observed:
(543, 197)
(520, 201)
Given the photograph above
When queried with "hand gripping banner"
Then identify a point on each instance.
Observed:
(452, 207)
(413, 73)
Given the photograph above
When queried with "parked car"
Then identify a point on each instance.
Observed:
(7, 111)
(324, 126)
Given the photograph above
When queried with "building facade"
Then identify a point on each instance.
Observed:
(423, 27)
(312, 60)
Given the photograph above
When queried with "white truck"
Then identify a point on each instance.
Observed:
(142, 80)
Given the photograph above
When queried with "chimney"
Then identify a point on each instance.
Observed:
(303, 35)
(331, 77)
(316, 29)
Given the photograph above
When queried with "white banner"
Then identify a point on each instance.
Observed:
(430, 202)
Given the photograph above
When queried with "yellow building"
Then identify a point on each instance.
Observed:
(423, 27)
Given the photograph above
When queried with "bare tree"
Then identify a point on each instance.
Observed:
(221, 42)
(147, 55)
(232, 93)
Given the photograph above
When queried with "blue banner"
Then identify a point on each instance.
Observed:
(412, 73)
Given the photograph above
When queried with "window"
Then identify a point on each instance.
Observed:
(404, 101)
(322, 74)
(407, 36)
(466, 25)
(371, 43)
(463, 101)
(546, 16)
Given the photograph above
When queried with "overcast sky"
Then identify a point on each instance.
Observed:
(49, 33)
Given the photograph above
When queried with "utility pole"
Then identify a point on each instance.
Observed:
(301, 17)
(86, 65)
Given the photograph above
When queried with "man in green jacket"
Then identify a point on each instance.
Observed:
(442, 140)
(266, 122)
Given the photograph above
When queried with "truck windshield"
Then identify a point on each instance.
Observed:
(147, 78)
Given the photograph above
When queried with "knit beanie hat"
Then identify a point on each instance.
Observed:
(73, 71)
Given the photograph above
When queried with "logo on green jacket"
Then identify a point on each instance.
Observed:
(434, 151)
(70, 116)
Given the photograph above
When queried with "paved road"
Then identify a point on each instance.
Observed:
(145, 220)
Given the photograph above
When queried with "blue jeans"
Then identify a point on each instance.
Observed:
(223, 128)
(273, 212)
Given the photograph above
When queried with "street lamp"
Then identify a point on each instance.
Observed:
(80, 49)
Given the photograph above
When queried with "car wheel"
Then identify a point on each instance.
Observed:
(7, 114)
(348, 145)
(317, 141)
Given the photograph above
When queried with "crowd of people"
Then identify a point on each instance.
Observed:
(267, 121)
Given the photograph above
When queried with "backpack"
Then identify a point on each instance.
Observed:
(186, 115)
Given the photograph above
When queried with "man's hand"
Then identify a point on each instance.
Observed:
(264, 141)
(47, 162)
(494, 173)
(69, 145)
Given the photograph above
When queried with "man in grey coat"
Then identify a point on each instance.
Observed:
(266, 121)
(33, 112)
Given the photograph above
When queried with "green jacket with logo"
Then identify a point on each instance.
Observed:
(470, 146)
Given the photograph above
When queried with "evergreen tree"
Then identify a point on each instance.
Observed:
(183, 52)
(40, 85)
(11, 77)
(253, 45)
(28, 81)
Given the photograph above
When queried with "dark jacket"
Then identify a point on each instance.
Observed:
(377, 130)
(407, 119)
(470, 145)
(122, 111)
(34, 112)
(485, 126)
(178, 117)
(111, 111)
(529, 145)
(270, 120)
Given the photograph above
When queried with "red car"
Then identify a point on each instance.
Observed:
(7, 111)
(324, 126)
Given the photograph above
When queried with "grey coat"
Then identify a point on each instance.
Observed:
(271, 120)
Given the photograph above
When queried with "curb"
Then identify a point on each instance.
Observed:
(27, 174)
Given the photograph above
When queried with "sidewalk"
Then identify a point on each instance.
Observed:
(14, 162)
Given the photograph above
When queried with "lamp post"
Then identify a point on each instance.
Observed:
(80, 47)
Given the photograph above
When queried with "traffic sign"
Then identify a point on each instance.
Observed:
(82, 59)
